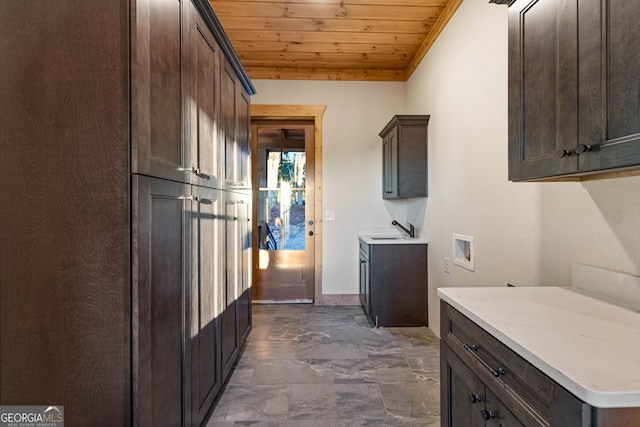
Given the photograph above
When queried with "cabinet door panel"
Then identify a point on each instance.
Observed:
(204, 96)
(390, 165)
(462, 393)
(543, 94)
(243, 231)
(230, 343)
(229, 113)
(206, 371)
(244, 130)
(610, 87)
(158, 85)
(161, 251)
(498, 414)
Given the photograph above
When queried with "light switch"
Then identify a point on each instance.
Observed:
(330, 215)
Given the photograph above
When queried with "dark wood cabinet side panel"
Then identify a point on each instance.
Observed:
(569, 411)
(412, 161)
(398, 280)
(64, 233)
(618, 417)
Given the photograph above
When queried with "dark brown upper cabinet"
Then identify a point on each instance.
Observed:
(235, 125)
(574, 108)
(158, 88)
(204, 105)
(404, 157)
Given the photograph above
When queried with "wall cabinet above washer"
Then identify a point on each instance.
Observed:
(574, 108)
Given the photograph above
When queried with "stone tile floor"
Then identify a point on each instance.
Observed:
(324, 366)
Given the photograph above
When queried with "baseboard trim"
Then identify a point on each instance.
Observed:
(339, 299)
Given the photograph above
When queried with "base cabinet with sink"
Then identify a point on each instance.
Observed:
(393, 283)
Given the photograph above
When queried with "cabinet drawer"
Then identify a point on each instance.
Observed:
(501, 369)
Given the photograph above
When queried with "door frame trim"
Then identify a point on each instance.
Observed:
(295, 112)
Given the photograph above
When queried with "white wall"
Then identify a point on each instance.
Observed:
(351, 161)
(526, 233)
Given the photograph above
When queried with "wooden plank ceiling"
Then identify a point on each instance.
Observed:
(373, 40)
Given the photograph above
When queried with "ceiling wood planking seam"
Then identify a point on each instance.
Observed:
(326, 25)
(395, 49)
(319, 37)
(370, 40)
(323, 10)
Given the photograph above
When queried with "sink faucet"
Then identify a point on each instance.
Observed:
(411, 231)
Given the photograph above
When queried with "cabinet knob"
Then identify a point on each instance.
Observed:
(563, 153)
(582, 148)
(311, 233)
(474, 398)
(487, 415)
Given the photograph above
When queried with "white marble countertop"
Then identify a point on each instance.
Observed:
(590, 347)
(391, 236)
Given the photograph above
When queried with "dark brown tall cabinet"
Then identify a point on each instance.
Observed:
(123, 272)
(573, 88)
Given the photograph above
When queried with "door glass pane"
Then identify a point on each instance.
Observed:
(282, 201)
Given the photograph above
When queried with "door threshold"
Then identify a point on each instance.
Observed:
(283, 301)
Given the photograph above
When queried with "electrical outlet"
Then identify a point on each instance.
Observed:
(330, 215)
(446, 264)
(398, 216)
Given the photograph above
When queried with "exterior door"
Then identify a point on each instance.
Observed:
(285, 225)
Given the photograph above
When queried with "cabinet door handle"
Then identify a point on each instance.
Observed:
(203, 200)
(474, 398)
(201, 174)
(563, 153)
(473, 348)
(487, 415)
(196, 171)
(582, 148)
